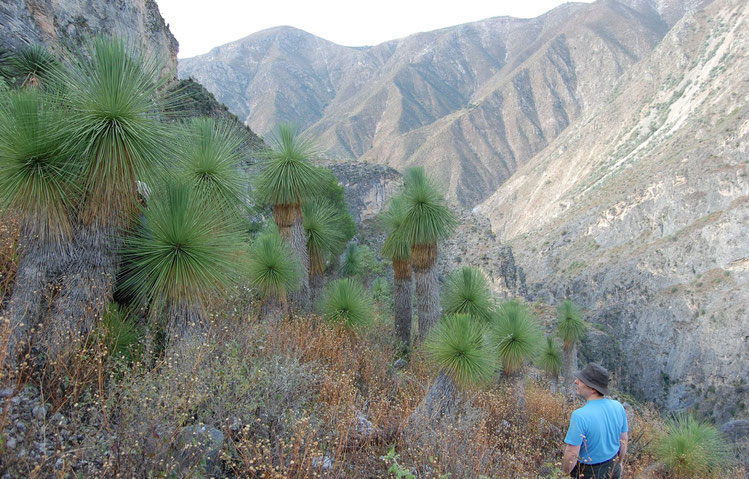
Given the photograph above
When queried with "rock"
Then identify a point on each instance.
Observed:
(11, 443)
(363, 425)
(20, 426)
(198, 444)
(325, 463)
(59, 464)
(6, 392)
(400, 364)
(737, 432)
(39, 412)
(59, 420)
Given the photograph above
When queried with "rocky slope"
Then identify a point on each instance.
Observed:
(638, 211)
(68, 22)
(471, 102)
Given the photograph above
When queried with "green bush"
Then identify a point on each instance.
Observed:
(692, 449)
(345, 301)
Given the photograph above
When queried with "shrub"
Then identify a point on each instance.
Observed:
(691, 449)
(516, 336)
(550, 359)
(346, 302)
(467, 291)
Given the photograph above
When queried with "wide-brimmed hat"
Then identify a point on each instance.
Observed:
(596, 377)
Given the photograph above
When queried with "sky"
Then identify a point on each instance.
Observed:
(200, 25)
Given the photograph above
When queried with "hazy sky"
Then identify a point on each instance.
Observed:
(200, 25)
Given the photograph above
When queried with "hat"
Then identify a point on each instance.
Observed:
(596, 377)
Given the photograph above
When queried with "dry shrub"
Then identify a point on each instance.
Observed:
(10, 229)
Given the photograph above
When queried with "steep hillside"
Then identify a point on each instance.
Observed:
(69, 22)
(639, 212)
(471, 102)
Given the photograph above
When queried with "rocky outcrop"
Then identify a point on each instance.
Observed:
(471, 103)
(368, 187)
(61, 23)
(638, 212)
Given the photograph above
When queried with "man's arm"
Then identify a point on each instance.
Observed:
(623, 440)
(570, 458)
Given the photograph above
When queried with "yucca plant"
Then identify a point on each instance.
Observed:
(571, 329)
(397, 247)
(274, 270)
(33, 65)
(467, 291)
(210, 157)
(516, 336)
(183, 254)
(352, 261)
(36, 181)
(322, 228)
(550, 358)
(692, 449)
(287, 180)
(458, 346)
(113, 127)
(427, 220)
(346, 302)
(118, 332)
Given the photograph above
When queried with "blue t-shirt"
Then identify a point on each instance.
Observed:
(596, 428)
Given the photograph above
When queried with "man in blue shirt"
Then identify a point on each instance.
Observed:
(598, 431)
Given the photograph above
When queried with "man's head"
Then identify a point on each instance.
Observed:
(593, 379)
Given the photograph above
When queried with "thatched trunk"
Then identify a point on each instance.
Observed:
(291, 226)
(519, 381)
(423, 260)
(440, 401)
(316, 285)
(272, 310)
(86, 286)
(36, 263)
(569, 366)
(403, 300)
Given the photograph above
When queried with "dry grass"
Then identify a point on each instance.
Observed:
(305, 399)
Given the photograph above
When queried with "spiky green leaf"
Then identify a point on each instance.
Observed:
(571, 327)
(692, 449)
(467, 291)
(516, 336)
(427, 218)
(457, 344)
(321, 225)
(550, 358)
(183, 251)
(345, 301)
(272, 267)
(397, 243)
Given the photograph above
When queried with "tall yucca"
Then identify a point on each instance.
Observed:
(288, 179)
(516, 336)
(183, 254)
(427, 220)
(115, 100)
(322, 228)
(571, 328)
(467, 291)
(274, 270)
(550, 358)
(210, 157)
(37, 181)
(116, 104)
(397, 247)
(345, 301)
(691, 449)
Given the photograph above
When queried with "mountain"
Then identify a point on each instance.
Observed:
(638, 211)
(471, 102)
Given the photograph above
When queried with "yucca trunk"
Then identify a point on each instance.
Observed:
(402, 299)
(290, 224)
(86, 287)
(569, 365)
(519, 381)
(36, 263)
(272, 310)
(186, 324)
(316, 286)
(423, 260)
(440, 401)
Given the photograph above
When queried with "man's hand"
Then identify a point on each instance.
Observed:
(570, 458)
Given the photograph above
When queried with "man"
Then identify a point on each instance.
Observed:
(598, 430)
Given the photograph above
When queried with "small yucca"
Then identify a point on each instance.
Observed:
(516, 336)
(467, 291)
(457, 344)
(692, 449)
(345, 301)
(550, 358)
(271, 266)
